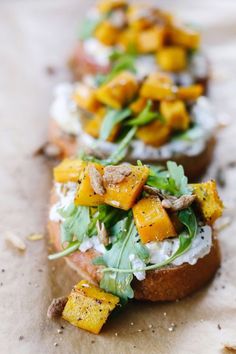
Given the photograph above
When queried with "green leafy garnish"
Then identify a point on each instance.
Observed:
(122, 62)
(146, 116)
(88, 27)
(75, 225)
(172, 180)
(118, 257)
(111, 119)
(121, 150)
(188, 219)
(191, 134)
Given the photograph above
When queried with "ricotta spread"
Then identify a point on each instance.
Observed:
(158, 251)
(64, 110)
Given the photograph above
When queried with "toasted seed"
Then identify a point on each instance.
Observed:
(35, 237)
(102, 233)
(56, 307)
(178, 204)
(96, 180)
(15, 241)
(116, 174)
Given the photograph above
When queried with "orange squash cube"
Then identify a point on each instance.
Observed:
(139, 16)
(119, 91)
(189, 92)
(93, 126)
(185, 37)
(123, 195)
(152, 221)
(88, 307)
(155, 133)
(69, 170)
(172, 58)
(107, 33)
(128, 39)
(208, 200)
(175, 114)
(150, 40)
(158, 86)
(109, 5)
(85, 194)
(138, 105)
(85, 98)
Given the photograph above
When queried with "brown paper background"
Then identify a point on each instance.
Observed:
(37, 34)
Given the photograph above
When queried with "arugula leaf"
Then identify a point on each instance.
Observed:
(177, 174)
(107, 215)
(112, 118)
(118, 257)
(171, 180)
(123, 61)
(88, 27)
(188, 219)
(72, 247)
(191, 134)
(121, 150)
(146, 116)
(75, 224)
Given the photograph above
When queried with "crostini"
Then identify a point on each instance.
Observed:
(153, 119)
(142, 37)
(136, 231)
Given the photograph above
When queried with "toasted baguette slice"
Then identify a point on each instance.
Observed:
(194, 166)
(168, 284)
(82, 64)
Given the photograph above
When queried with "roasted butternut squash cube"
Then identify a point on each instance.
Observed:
(69, 170)
(175, 114)
(158, 86)
(85, 98)
(128, 39)
(88, 307)
(152, 221)
(93, 126)
(107, 33)
(119, 91)
(150, 40)
(142, 16)
(85, 195)
(138, 105)
(109, 5)
(188, 93)
(185, 37)
(172, 58)
(155, 133)
(139, 16)
(123, 195)
(208, 200)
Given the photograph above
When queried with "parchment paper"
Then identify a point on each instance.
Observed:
(35, 40)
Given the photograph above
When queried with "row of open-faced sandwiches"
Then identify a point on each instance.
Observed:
(136, 229)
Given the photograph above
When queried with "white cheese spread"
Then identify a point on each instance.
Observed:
(64, 110)
(158, 251)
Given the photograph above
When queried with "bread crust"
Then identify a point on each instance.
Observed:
(194, 166)
(82, 64)
(168, 284)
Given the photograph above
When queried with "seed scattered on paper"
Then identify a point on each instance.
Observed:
(15, 241)
(35, 237)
